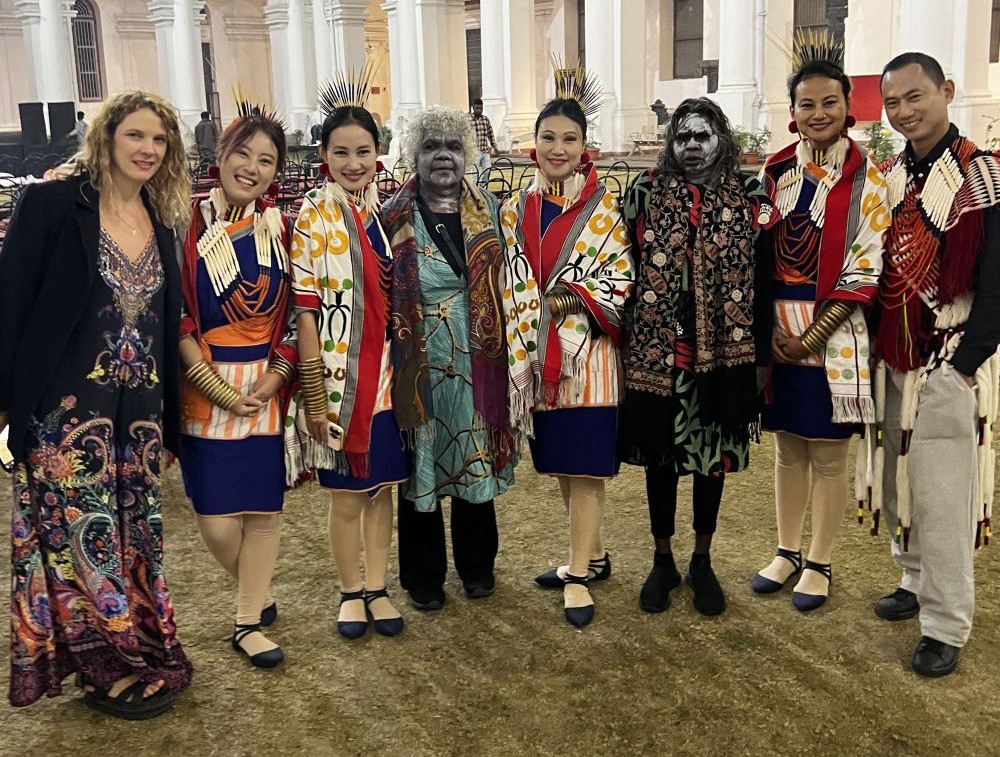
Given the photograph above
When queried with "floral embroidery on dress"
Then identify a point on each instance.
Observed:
(127, 361)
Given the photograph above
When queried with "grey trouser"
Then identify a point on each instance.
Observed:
(944, 482)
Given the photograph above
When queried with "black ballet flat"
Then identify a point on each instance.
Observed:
(352, 629)
(385, 626)
(578, 616)
(272, 658)
(763, 585)
(597, 570)
(268, 615)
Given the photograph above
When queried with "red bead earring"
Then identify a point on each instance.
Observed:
(379, 166)
(273, 189)
(585, 158)
(213, 172)
(324, 170)
(533, 155)
(793, 128)
(849, 122)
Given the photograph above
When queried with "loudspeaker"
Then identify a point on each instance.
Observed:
(62, 120)
(32, 124)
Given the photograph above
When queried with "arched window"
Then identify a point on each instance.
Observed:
(87, 51)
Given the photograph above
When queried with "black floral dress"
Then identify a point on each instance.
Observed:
(89, 593)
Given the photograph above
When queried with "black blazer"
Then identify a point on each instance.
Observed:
(48, 264)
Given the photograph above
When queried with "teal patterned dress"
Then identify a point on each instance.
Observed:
(451, 455)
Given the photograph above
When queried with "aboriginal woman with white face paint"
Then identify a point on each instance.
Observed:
(693, 337)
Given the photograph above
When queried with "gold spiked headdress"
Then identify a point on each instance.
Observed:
(577, 83)
(347, 89)
(249, 107)
(810, 45)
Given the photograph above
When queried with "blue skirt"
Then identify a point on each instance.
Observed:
(802, 404)
(576, 441)
(388, 461)
(232, 476)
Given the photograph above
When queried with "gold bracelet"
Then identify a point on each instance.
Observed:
(828, 321)
(313, 387)
(212, 387)
(281, 367)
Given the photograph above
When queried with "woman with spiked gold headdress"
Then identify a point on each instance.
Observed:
(568, 274)
(342, 262)
(239, 356)
(88, 380)
(826, 236)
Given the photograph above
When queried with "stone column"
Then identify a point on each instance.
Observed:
(959, 39)
(546, 42)
(519, 59)
(458, 55)
(284, 20)
(324, 40)
(616, 53)
(737, 84)
(395, 57)
(48, 43)
(177, 25)
(433, 57)
(495, 106)
(777, 68)
(349, 32)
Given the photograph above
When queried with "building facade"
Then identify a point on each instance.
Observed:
(449, 51)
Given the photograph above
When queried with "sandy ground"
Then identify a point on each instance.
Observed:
(507, 675)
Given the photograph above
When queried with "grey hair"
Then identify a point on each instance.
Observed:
(439, 118)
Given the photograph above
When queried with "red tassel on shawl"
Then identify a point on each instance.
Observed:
(962, 245)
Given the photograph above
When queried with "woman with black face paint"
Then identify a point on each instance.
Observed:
(693, 327)
(449, 359)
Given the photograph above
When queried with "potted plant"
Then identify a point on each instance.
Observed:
(384, 139)
(880, 143)
(756, 146)
(297, 136)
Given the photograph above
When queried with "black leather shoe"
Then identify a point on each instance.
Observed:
(427, 599)
(709, 598)
(662, 579)
(900, 605)
(597, 570)
(479, 588)
(933, 658)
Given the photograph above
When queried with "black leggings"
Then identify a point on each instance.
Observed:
(661, 491)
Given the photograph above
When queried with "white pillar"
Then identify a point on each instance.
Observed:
(177, 25)
(395, 58)
(616, 53)
(519, 60)
(774, 113)
(284, 20)
(546, 42)
(349, 31)
(432, 51)
(405, 41)
(49, 47)
(737, 84)
(323, 39)
(495, 104)
(458, 58)
(959, 39)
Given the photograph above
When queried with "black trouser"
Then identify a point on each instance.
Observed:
(423, 560)
(661, 491)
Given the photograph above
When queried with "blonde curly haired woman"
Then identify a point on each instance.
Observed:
(88, 383)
